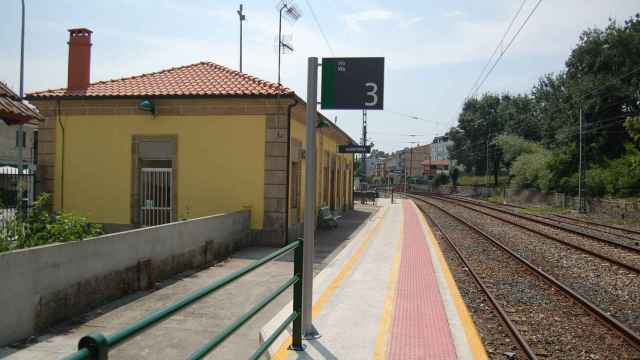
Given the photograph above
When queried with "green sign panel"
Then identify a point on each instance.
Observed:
(352, 83)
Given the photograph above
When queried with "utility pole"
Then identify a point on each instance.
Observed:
(404, 162)
(486, 171)
(242, 18)
(280, 39)
(581, 171)
(20, 134)
(364, 142)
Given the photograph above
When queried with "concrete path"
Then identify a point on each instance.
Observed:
(388, 294)
(178, 336)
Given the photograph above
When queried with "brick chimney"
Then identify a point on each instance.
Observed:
(79, 72)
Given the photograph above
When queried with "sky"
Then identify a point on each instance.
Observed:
(434, 50)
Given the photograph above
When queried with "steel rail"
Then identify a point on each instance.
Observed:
(624, 265)
(490, 206)
(632, 337)
(526, 348)
(620, 228)
(562, 228)
(590, 228)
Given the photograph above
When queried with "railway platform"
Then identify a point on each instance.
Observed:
(388, 295)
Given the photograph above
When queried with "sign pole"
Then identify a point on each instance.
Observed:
(310, 200)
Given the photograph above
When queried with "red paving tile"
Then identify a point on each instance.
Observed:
(420, 329)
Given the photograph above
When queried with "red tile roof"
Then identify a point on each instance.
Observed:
(201, 79)
(12, 110)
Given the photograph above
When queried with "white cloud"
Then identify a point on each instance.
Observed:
(453, 13)
(413, 20)
(354, 20)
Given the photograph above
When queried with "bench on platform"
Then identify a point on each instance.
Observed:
(326, 219)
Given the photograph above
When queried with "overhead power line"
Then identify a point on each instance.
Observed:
(324, 36)
(526, 20)
(495, 51)
(415, 117)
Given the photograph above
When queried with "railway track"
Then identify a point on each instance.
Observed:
(621, 255)
(530, 297)
(581, 227)
(601, 276)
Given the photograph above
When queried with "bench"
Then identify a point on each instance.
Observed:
(326, 219)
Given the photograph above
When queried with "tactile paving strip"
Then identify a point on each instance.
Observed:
(420, 329)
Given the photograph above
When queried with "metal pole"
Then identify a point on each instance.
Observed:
(364, 142)
(242, 17)
(486, 172)
(310, 199)
(405, 177)
(20, 135)
(296, 337)
(280, 42)
(580, 169)
(411, 161)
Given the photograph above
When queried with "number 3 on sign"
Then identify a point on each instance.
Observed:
(372, 89)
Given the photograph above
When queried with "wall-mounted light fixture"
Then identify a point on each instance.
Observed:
(147, 105)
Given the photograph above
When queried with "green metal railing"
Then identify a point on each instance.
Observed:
(97, 345)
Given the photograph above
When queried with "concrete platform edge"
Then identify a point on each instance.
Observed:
(321, 281)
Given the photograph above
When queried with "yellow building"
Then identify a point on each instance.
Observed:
(182, 143)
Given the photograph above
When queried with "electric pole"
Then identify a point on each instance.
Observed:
(20, 141)
(581, 170)
(242, 18)
(364, 142)
(486, 171)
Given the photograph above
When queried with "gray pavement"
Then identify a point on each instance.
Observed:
(178, 336)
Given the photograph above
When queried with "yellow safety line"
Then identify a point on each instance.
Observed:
(380, 352)
(319, 304)
(470, 330)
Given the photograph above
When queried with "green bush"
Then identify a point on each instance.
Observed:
(41, 226)
(530, 170)
(441, 179)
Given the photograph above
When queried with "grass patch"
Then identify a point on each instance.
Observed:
(545, 210)
(624, 222)
(469, 180)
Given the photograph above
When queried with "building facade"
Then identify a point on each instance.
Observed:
(440, 162)
(14, 112)
(182, 143)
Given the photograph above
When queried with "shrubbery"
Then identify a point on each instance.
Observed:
(42, 226)
(441, 179)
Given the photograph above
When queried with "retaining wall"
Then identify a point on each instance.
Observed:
(47, 284)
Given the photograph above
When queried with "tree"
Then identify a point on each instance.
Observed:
(454, 175)
(514, 146)
(478, 125)
(632, 124)
(602, 70)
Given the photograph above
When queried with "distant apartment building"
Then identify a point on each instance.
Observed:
(440, 162)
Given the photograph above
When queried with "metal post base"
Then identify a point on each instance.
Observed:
(312, 334)
(302, 347)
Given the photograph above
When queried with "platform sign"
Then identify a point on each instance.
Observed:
(352, 83)
(354, 149)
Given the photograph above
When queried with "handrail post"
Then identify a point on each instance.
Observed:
(296, 342)
(97, 344)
